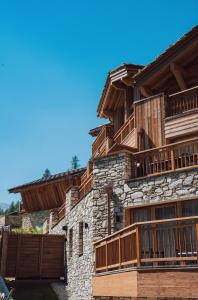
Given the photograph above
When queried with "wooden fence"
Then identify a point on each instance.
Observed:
(32, 256)
(166, 242)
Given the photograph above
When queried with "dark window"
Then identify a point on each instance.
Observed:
(80, 238)
(70, 242)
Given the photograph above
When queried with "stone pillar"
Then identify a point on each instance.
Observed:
(112, 170)
(72, 197)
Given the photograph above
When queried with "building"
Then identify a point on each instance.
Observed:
(131, 220)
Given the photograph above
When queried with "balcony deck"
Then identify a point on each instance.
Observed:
(140, 260)
(181, 113)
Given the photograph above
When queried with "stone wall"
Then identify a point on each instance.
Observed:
(34, 219)
(79, 268)
(115, 170)
(172, 186)
(112, 170)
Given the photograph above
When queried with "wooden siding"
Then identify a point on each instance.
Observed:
(149, 121)
(181, 125)
(131, 139)
(32, 256)
(157, 283)
(175, 283)
(117, 285)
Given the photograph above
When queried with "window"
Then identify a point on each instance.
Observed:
(185, 208)
(80, 241)
(70, 242)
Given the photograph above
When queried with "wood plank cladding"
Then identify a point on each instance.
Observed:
(117, 285)
(180, 125)
(158, 283)
(32, 256)
(45, 197)
(149, 120)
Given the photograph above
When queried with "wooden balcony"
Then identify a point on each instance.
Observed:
(150, 244)
(169, 158)
(181, 102)
(103, 141)
(149, 259)
(86, 181)
(125, 135)
(181, 114)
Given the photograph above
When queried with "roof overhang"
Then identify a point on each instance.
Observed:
(117, 81)
(48, 180)
(156, 74)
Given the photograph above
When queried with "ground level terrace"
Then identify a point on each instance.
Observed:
(149, 259)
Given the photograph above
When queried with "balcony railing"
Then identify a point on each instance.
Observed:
(181, 102)
(100, 145)
(86, 181)
(165, 159)
(163, 243)
(125, 130)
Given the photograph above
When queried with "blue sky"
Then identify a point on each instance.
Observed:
(54, 57)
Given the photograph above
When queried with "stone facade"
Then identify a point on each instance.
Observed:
(34, 219)
(79, 267)
(115, 171)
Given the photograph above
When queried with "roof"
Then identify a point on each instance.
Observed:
(116, 74)
(95, 131)
(55, 177)
(168, 52)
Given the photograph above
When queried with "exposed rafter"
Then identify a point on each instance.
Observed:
(145, 91)
(178, 72)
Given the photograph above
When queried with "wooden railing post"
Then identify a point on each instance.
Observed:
(172, 159)
(196, 229)
(106, 252)
(119, 251)
(138, 245)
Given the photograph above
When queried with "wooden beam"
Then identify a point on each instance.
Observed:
(178, 72)
(128, 81)
(145, 91)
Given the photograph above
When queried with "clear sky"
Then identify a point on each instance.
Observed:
(54, 58)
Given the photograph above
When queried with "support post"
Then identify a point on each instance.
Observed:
(138, 246)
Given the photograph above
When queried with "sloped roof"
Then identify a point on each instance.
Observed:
(114, 75)
(168, 52)
(55, 177)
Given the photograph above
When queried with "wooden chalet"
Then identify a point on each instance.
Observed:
(153, 114)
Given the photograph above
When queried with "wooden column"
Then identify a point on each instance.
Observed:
(138, 246)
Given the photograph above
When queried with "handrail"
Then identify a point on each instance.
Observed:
(123, 127)
(106, 132)
(152, 242)
(145, 223)
(167, 158)
(183, 101)
(184, 91)
(166, 146)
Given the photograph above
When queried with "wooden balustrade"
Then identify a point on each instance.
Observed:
(61, 212)
(124, 131)
(165, 159)
(149, 244)
(182, 101)
(99, 146)
(86, 186)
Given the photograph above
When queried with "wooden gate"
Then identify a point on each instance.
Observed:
(32, 256)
